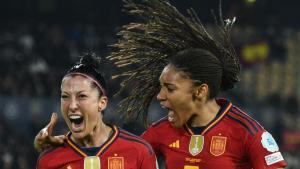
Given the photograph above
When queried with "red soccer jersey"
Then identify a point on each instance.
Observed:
(121, 151)
(232, 140)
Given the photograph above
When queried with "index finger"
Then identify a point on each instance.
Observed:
(52, 123)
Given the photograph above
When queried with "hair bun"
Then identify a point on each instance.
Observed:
(90, 59)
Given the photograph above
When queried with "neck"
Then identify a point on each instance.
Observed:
(205, 113)
(97, 137)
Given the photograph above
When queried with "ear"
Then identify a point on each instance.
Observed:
(201, 91)
(102, 103)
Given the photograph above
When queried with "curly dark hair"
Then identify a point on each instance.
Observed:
(146, 47)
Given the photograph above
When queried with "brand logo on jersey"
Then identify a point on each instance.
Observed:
(92, 162)
(218, 145)
(268, 142)
(196, 144)
(115, 162)
(174, 144)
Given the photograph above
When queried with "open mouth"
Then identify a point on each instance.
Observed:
(76, 122)
(171, 113)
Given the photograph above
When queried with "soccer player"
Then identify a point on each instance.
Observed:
(92, 144)
(177, 60)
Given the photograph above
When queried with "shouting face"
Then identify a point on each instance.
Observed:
(81, 105)
(176, 95)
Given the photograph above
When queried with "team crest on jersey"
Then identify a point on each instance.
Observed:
(196, 144)
(268, 142)
(115, 162)
(92, 162)
(218, 145)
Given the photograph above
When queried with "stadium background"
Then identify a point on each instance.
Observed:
(40, 39)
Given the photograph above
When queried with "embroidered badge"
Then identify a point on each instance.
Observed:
(115, 162)
(268, 142)
(218, 145)
(92, 162)
(196, 144)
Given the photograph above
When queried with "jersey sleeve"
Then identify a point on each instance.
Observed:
(151, 136)
(264, 153)
(149, 161)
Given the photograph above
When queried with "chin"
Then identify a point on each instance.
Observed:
(78, 135)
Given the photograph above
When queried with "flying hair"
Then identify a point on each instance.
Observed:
(145, 47)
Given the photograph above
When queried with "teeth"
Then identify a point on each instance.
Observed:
(74, 117)
(171, 116)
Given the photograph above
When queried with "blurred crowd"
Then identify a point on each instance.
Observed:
(34, 57)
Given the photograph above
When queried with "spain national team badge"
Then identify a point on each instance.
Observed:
(92, 162)
(218, 145)
(196, 144)
(115, 163)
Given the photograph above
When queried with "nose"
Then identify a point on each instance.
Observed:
(161, 96)
(73, 104)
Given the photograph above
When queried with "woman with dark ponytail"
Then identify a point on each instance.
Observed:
(185, 67)
(90, 143)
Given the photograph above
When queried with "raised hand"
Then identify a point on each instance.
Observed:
(44, 138)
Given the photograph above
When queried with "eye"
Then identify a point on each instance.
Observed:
(64, 96)
(82, 96)
(170, 89)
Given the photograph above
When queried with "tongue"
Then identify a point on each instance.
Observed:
(77, 127)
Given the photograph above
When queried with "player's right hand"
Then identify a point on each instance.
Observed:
(44, 138)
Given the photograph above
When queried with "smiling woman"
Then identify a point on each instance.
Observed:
(91, 144)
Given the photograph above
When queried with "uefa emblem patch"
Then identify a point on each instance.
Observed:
(218, 145)
(268, 142)
(115, 162)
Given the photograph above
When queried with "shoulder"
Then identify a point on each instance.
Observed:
(160, 128)
(135, 141)
(161, 123)
(243, 121)
(50, 153)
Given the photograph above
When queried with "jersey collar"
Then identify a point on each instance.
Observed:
(106, 144)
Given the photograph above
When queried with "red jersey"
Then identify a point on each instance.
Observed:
(121, 151)
(232, 140)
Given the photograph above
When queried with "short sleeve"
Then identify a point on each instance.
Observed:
(264, 153)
